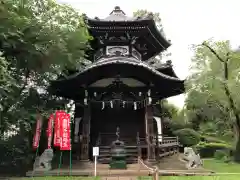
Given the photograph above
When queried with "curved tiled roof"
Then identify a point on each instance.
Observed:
(123, 60)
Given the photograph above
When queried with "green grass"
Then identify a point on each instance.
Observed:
(211, 164)
(222, 177)
(221, 167)
(58, 178)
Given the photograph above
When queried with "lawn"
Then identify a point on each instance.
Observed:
(217, 166)
(221, 167)
(58, 178)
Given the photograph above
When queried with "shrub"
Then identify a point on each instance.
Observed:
(207, 150)
(220, 154)
(15, 155)
(210, 139)
(187, 136)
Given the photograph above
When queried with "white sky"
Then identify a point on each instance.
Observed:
(185, 22)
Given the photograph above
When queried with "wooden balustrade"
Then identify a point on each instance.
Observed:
(164, 145)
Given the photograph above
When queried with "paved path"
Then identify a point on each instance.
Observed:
(120, 178)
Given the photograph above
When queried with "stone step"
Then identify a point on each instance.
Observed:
(127, 155)
(109, 147)
(107, 160)
(120, 178)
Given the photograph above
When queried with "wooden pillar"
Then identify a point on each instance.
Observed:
(85, 134)
(78, 114)
(150, 133)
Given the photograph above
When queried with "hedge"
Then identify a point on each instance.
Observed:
(221, 154)
(188, 137)
(210, 139)
(207, 150)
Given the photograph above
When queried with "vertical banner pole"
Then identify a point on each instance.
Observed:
(95, 166)
(70, 149)
(60, 163)
(95, 154)
(58, 135)
(37, 136)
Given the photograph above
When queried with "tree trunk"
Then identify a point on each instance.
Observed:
(237, 118)
(237, 149)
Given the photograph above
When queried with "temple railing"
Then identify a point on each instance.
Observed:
(164, 145)
(158, 140)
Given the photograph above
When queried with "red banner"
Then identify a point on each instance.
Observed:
(37, 135)
(57, 127)
(65, 134)
(49, 130)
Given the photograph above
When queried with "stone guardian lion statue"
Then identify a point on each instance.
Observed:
(192, 159)
(43, 162)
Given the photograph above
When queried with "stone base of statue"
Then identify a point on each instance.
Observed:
(118, 155)
(118, 164)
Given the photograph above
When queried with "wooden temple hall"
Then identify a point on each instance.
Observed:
(116, 94)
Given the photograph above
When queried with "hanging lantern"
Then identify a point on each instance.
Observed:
(124, 104)
(103, 105)
(95, 94)
(140, 93)
(149, 100)
(149, 92)
(144, 103)
(111, 104)
(85, 101)
(135, 105)
(86, 93)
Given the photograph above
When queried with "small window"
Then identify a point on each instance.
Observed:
(117, 50)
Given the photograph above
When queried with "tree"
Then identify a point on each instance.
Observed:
(38, 39)
(155, 61)
(216, 77)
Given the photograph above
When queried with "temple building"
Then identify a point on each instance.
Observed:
(119, 89)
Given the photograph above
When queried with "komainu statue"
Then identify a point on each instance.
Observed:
(43, 162)
(192, 159)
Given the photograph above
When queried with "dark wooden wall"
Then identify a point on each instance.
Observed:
(106, 121)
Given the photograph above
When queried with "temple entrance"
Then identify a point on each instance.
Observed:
(105, 122)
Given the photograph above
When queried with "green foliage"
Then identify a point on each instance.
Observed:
(207, 150)
(39, 40)
(42, 37)
(213, 101)
(142, 13)
(221, 155)
(188, 137)
(158, 22)
(210, 139)
(169, 110)
(15, 153)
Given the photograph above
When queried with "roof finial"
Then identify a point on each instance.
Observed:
(117, 10)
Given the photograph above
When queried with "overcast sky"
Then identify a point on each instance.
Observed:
(185, 22)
